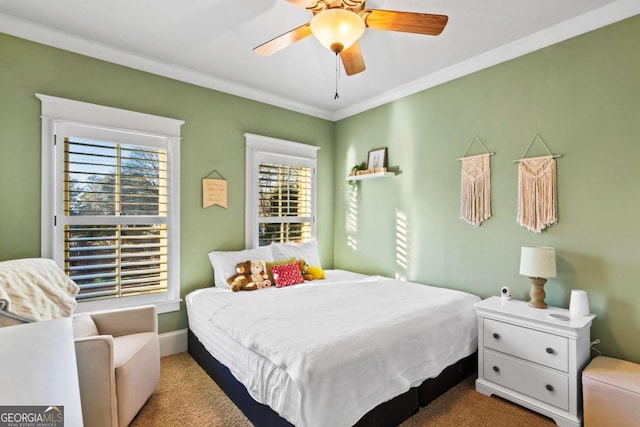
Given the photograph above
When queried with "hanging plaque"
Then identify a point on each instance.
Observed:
(214, 192)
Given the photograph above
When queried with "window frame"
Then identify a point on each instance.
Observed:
(264, 149)
(58, 114)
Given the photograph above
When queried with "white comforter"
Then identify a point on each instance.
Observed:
(347, 343)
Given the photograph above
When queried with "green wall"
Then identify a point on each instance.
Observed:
(212, 139)
(583, 97)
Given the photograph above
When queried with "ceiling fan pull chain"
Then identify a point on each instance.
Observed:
(337, 74)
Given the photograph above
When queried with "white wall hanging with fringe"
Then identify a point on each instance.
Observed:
(475, 186)
(537, 190)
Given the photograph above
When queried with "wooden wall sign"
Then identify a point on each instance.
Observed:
(214, 191)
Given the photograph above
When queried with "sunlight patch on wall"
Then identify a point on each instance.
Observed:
(402, 245)
(351, 195)
(352, 216)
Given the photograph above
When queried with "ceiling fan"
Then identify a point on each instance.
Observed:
(338, 24)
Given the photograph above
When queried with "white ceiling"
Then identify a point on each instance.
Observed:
(210, 42)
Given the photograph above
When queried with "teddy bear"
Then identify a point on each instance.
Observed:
(310, 272)
(241, 280)
(259, 274)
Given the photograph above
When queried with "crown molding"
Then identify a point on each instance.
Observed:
(27, 30)
(597, 18)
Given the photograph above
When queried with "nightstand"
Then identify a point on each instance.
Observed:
(532, 359)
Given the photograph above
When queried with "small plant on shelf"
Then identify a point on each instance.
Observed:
(354, 171)
(359, 167)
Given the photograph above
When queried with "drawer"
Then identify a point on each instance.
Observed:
(524, 343)
(535, 381)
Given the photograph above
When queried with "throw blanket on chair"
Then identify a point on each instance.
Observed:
(36, 289)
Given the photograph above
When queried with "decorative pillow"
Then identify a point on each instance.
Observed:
(83, 326)
(286, 274)
(307, 251)
(272, 263)
(224, 262)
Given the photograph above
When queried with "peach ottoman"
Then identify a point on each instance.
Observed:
(611, 389)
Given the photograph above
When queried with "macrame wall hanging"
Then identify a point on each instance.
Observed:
(537, 192)
(475, 186)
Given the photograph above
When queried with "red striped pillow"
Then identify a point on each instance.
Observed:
(286, 274)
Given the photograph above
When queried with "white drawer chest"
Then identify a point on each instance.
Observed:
(533, 359)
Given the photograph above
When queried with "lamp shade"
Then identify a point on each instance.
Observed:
(538, 262)
(337, 29)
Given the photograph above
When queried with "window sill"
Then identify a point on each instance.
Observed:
(116, 303)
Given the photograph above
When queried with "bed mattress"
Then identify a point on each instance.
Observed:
(327, 352)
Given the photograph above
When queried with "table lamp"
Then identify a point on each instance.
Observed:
(538, 264)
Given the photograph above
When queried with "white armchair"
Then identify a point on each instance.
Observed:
(118, 359)
(117, 352)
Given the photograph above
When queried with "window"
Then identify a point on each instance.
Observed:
(110, 204)
(281, 191)
(284, 194)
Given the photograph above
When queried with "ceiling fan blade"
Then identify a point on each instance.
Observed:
(406, 22)
(352, 60)
(302, 3)
(284, 40)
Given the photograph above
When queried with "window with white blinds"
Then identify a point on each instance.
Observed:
(120, 181)
(281, 191)
(284, 203)
(111, 203)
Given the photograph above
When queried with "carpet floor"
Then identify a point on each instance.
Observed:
(187, 397)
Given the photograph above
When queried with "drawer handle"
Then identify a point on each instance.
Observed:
(496, 369)
(496, 335)
(549, 387)
(550, 350)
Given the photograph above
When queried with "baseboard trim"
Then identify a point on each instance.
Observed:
(173, 342)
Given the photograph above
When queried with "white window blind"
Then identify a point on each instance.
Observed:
(105, 178)
(120, 181)
(284, 203)
(281, 191)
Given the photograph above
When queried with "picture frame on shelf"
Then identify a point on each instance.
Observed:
(377, 159)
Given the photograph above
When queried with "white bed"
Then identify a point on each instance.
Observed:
(326, 352)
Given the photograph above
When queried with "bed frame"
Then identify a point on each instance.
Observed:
(390, 413)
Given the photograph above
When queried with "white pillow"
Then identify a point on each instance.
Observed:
(224, 262)
(83, 326)
(307, 251)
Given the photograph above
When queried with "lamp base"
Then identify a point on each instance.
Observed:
(537, 293)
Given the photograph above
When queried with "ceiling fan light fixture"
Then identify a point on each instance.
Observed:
(337, 29)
